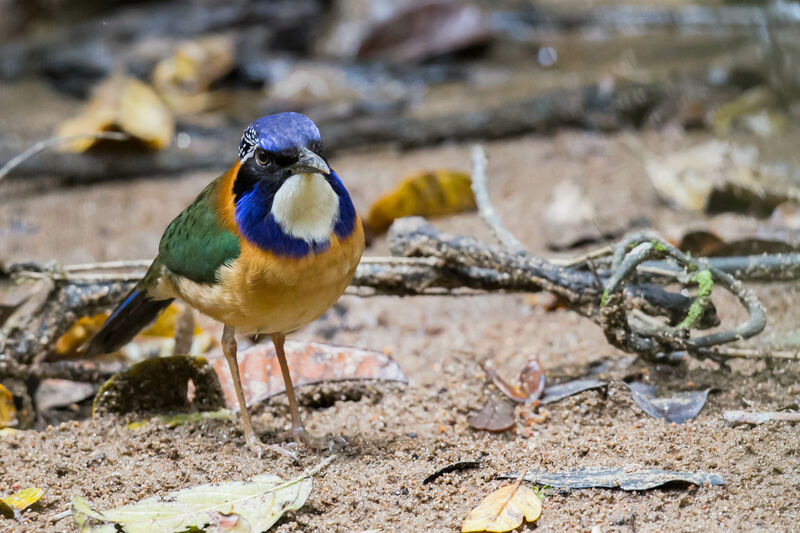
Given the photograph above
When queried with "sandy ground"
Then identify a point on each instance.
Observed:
(397, 438)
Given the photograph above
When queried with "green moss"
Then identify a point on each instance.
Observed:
(705, 284)
(658, 245)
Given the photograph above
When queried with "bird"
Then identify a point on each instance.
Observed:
(265, 248)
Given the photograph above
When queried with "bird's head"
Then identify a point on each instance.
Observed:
(276, 147)
(285, 194)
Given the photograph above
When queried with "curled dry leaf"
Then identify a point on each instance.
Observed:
(184, 78)
(496, 416)
(126, 104)
(8, 412)
(429, 193)
(504, 509)
(555, 393)
(531, 382)
(681, 407)
(310, 363)
(13, 504)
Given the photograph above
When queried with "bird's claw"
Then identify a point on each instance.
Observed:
(257, 448)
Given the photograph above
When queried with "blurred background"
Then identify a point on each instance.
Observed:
(599, 117)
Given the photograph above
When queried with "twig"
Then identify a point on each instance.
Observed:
(56, 141)
(485, 208)
(660, 341)
(431, 262)
(736, 418)
(60, 516)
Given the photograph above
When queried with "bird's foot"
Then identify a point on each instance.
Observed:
(257, 447)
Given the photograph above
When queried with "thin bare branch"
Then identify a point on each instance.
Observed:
(485, 207)
(57, 141)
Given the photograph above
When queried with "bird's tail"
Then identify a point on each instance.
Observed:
(135, 312)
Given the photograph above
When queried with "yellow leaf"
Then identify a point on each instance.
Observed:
(164, 326)
(184, 78)
(126, 104)
(79, 333)
(8, 412)
(435, 193)
(504, 509)
(85, 327)
(19, 501)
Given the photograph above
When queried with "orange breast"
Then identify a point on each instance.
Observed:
(262, 293)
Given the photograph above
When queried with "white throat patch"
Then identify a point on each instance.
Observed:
(306, 207)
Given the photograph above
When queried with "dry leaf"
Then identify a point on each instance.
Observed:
(679, 408)
(615, 478)
(8, 412)
(164, 326)
(427, 29)
(555, 393)
(253, 505)
(531, 382)
(126, 104)
(309, 362)
(13, 504)
(435, 193)
(79, 334)
(85, 327)
(497, 415)
(60, 393)
(184, 78)
(504, 509)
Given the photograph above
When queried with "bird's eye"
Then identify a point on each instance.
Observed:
(262, 157)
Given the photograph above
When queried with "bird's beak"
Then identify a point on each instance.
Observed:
(309, 163)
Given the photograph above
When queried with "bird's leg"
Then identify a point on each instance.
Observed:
(229, 349)
(253, 443)
(298, 432)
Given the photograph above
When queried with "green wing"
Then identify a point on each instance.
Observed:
(196, 243)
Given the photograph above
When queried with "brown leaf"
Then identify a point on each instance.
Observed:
(496, 416)
(425, 30)
(428, 193)
(126, 104)
(504, 509)
(531, 382)
(309, 363)
(8, 412)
